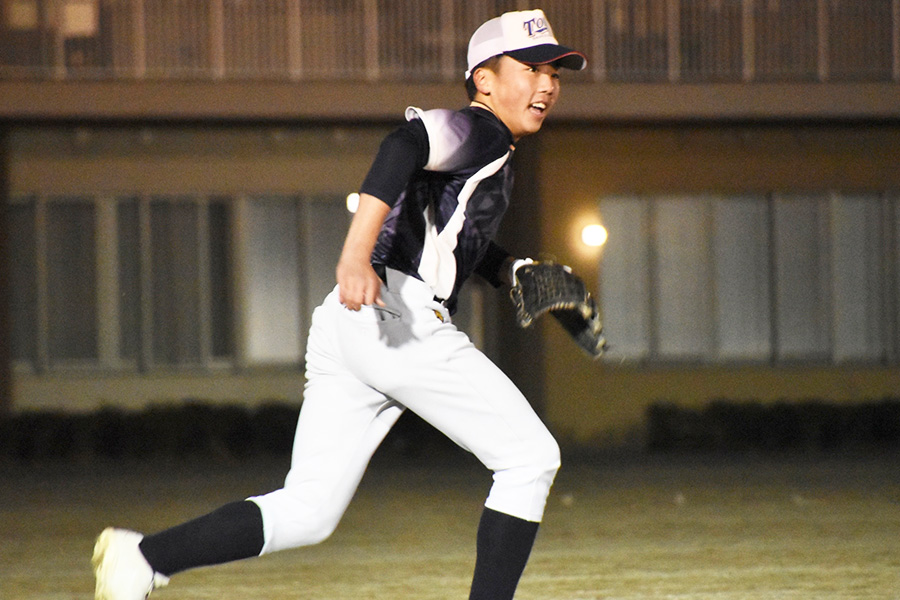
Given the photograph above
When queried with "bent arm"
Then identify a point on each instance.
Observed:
(357, 281)
(495, 264)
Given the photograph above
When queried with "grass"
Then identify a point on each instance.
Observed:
(637, 527)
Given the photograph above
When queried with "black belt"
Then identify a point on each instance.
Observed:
(381, 271)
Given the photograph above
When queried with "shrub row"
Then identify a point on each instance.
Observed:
(189, 429)
(178, 430)
(728, 426)
(197, 429)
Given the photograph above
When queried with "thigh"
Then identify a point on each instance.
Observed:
(440, 375)
(342, 419)
(412, 353)
(469, 399)
(429, 366)
(339, 428)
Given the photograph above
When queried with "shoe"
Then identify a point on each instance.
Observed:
(121, 570)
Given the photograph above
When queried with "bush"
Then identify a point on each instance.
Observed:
(188, 429)
(729, 426)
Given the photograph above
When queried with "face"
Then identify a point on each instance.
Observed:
(520, 95)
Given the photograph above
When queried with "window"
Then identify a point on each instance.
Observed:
(625, 276)
(636, 40)
(860, 262)
(174, 282)
(53, 302)
(742, 279)
(158, 275)
(271, 287)
(780, 278)
(683, 297)
(23, 279)
(158, 295)
(800, 247)
(160, 282)
(173, 279)
(71, 280)
(711, 40)
(288, 251)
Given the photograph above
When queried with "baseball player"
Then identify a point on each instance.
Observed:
(383, 341)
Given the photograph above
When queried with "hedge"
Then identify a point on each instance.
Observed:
(808, 425)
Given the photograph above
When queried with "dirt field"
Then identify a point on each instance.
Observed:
(636, 528)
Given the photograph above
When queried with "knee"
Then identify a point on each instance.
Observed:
(290, 523)
(522, 486)
(317, 530)
(539, 462)
(300, 530)
(546, 457)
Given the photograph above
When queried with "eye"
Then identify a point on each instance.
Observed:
(533, 68)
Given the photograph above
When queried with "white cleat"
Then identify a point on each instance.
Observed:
(121, 570)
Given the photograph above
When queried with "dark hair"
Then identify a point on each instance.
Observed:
(490, 64)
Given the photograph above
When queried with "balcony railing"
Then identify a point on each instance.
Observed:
(679, 41)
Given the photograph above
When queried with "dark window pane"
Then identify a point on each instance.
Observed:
(71, 281)
(23, 281)
(128, 219)
(220, 300)
(175, 285)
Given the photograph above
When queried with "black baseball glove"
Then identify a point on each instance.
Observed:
(544, 286)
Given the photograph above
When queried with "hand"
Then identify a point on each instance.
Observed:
(514, 264)
(358, 284)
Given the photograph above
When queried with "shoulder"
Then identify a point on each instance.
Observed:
(452, 123)
(455, 137)
(448, 131)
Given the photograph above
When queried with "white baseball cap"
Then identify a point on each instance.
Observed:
(524, 35)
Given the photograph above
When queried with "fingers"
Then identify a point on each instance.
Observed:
(358, 290)
(357, 301)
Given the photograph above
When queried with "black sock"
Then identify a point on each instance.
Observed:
(504, 545)
(232, 532)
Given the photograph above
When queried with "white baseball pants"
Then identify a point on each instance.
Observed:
(364, 368)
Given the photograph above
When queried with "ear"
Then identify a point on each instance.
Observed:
(483, 80)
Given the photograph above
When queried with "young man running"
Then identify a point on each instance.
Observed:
(383, 340)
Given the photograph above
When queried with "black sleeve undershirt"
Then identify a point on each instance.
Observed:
(491, 263)
(402, 153)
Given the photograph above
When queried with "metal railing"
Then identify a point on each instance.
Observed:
(425, 40)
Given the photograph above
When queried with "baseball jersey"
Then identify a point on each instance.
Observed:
(447, 177)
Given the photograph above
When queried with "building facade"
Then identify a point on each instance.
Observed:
(176, 175)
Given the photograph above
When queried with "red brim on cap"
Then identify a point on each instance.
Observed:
(550, 53)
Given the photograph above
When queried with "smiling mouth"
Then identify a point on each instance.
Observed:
(539, 107)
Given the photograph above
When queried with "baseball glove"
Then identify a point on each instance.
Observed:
(544, 286)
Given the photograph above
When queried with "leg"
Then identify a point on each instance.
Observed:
(457, 389)
(503, 546)
(505, 434)
(341, 423)
(232, 532)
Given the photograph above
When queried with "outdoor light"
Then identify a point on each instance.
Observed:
(352, 202)
(594, 235)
